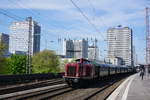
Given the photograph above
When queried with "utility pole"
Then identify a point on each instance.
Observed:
(96, 49)
(28, 67)
(46, 44)
(147, 38)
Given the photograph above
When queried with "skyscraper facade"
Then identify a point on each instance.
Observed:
(4, 38)
(75, 48)
(19, 37)
(81, 48)
(93, 52)
(68, 48)
(120, 43)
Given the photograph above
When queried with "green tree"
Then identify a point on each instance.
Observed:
(2, 48)
(17, 64)
(73, 60)
(45, 61)
(3, 66)
(3, 60)
(62, 65)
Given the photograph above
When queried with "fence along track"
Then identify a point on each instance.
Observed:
(17, 79)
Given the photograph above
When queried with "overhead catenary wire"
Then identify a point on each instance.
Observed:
(99, 19)
(82, 13)
(93, 8)
(12, 16)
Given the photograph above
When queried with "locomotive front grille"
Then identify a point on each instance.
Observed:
(71, 71)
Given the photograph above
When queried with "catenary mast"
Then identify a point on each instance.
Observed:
(147, 38)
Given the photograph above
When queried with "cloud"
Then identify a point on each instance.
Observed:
(34, 4)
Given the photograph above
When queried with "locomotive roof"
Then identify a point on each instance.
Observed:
(82, 59)
(97, 63)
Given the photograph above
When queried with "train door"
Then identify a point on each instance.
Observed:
(93, 71)
(96, 71)
(88, 70)
(109, 71)
(80, 71)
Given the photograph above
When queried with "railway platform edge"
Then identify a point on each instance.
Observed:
(133, 88)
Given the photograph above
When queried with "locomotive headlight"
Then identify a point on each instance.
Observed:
(77, 74)
(76, 80)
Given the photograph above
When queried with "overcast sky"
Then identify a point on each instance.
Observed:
(60, 19)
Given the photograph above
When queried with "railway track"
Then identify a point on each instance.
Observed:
(27, 86)
(37, 94)
(103, 93)
(98, 91)
(44, 95)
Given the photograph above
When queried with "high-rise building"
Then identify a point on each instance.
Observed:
(81, 48)
(120, 43)
(75, 48)
(4, 38)
(135, 56)
(93, 52)
(68, 48)
(20, 33)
